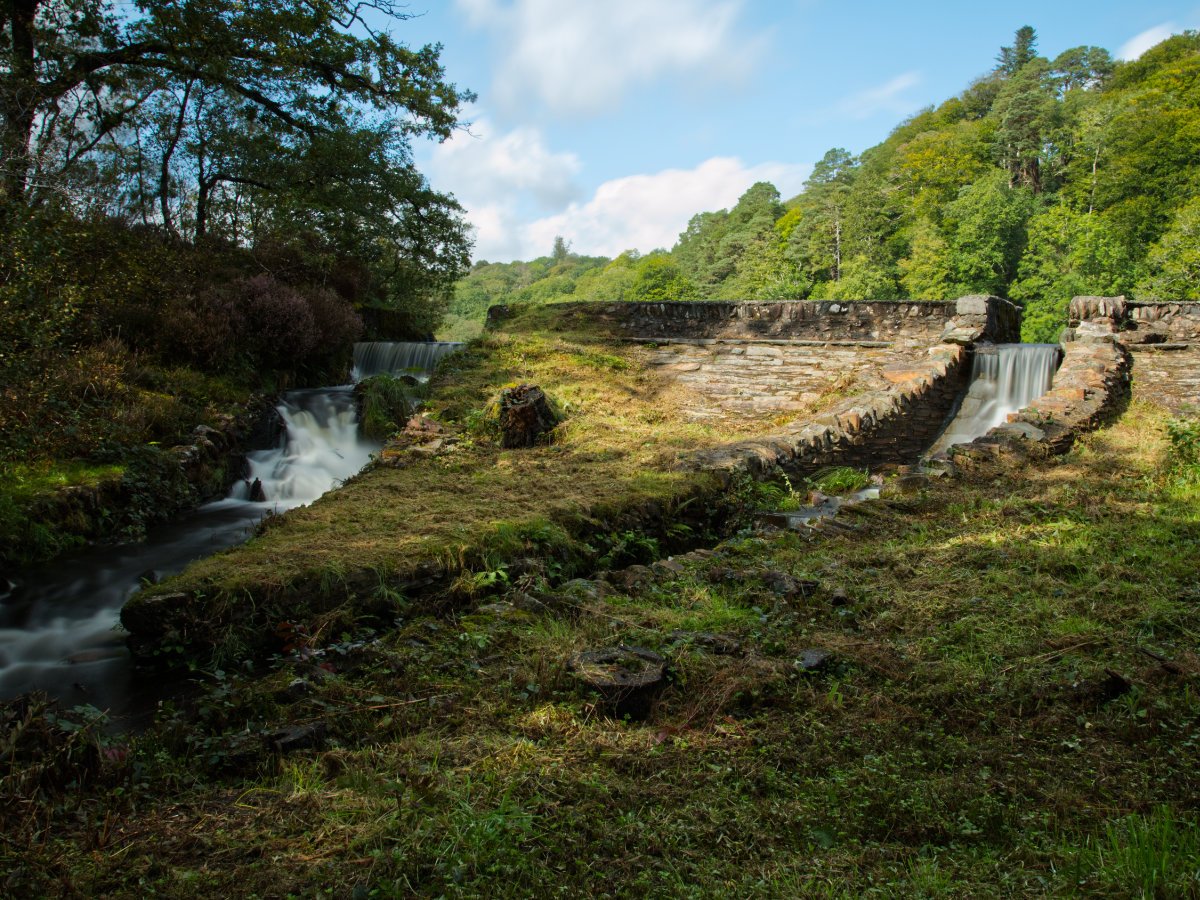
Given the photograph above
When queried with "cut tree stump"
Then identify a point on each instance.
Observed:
(626, 678)
(525, 415)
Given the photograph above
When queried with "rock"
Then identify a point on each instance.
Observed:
(499, 608)
(432, 448)
(298, 737)
(625, 677)
(724, 574)
(632, 579)
(525, 415)
(784, 585)
(580, 589)
(526, 602)
(257, 494)
(423, 425)
(296, 690)
(667, 568)
(717, 644)
(815, 660)
(904, 485)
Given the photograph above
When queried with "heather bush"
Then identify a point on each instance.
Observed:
(280, 327)
(206, 330)
(337, 324)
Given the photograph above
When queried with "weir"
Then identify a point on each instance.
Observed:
(58, 622)
(395, 357)
(1005, 379)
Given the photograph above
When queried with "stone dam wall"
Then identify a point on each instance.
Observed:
(778, 360)
(910, 323)
(893, 424)
(1164, 339)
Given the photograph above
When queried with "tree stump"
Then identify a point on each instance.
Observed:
(525, 415)
(626, 678)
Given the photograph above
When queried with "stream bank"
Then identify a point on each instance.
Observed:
(970, 630)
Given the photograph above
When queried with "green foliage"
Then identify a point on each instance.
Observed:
(987, 228)
(1184, 436)
(1041, 181)
(1174, 260)
(926, 273)
(387, 404)
(1153, 855)
(1069, 254)
(840, 480)
(657, 279)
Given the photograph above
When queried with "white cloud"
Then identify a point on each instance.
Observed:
(886, 98)
(581, 57)
(481, 166)
(641, 212)
(1140, 43)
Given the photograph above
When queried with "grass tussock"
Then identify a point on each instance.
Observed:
(1010, 709)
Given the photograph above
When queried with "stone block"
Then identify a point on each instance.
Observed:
(972, 305)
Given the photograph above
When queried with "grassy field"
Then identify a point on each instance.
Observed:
(1011, 708)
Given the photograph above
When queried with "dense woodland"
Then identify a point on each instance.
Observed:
(1043, 180)
(201, 199)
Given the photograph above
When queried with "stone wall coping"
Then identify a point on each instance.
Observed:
(736, 342)
(905, 321)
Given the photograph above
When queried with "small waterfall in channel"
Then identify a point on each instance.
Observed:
(58, 622)
(398, 357)
(320, 448)
(1004, 379)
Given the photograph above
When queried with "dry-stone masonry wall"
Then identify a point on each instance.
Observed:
(887, 425)
(756, 361)
(905, 322)
(1163, 337)
(740, 380)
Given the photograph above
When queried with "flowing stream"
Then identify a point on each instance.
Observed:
(1004, 379)
(58, 622)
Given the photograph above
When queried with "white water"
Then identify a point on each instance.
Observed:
(1002, 382)
(417, 358)
(58, 623)
(321, 450)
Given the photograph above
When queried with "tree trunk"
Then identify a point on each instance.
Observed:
(164, 178)
(18, 97)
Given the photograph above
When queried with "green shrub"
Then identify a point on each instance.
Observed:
(841, 480)
(387, 404)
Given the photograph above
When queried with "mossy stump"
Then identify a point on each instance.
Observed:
(525, 415)
(626, 678)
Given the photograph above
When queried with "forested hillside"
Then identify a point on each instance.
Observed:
(1043, 180)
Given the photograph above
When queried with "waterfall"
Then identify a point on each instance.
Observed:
(56, 621)
(417, 358)
(321, 449)
(1004, 379)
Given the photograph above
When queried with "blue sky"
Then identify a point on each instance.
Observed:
(611, 122)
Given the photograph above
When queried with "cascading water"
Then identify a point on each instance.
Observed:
(322, 449)
(417, 358)
(1004, 379)
(58, 623)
